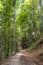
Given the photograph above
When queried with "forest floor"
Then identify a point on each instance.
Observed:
(23, 57)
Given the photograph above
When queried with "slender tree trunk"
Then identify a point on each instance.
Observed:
(40, 4)
(34, 22)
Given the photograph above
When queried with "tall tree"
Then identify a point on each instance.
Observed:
(40, 4)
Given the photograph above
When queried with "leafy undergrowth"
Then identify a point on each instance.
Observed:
(35, 44)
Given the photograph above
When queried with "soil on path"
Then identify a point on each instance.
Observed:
(26, 58)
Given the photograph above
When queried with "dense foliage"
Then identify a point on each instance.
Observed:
(21, 22)
(29, 21)
(7, 28)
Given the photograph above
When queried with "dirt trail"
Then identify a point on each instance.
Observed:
(25, 58)
(19, 59)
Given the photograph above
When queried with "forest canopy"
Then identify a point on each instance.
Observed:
(21, 22)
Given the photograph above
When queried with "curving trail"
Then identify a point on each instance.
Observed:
(19, 59)
(25, 58)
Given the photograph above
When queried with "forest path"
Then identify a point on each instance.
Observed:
(19, 59)
(25, 58)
